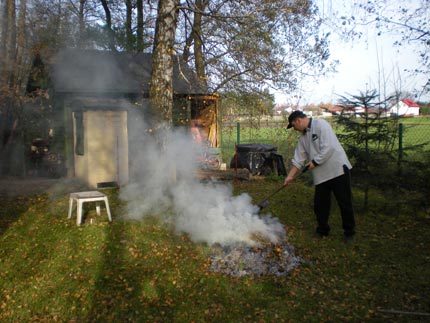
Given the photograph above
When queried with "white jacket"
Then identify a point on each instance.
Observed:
(320, 144)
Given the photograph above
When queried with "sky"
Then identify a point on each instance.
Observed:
(359, 63)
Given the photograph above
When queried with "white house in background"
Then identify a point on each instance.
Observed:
(405, 108)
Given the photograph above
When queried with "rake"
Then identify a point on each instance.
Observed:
(266, 203)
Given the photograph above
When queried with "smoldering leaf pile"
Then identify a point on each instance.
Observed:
(207, 212)
(241, 260)
(248, 243)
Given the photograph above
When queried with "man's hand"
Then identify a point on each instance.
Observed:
(290, 177)
(311, 165)
(288, 180)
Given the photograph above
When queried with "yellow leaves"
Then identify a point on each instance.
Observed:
(135, 252)
(3, 306)
(143, 271)
(370, 313)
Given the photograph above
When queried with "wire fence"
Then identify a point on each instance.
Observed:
(411, 137)
(269, 132)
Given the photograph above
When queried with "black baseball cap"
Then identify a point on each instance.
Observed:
(293, 116)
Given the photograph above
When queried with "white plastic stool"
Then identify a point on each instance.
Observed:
(90, 196)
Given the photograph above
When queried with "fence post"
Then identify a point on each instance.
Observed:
(400, 142)
(238, 132)
(399, 164)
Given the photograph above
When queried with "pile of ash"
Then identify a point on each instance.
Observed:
(258, 260)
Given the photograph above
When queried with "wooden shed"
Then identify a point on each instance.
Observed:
(97, 96)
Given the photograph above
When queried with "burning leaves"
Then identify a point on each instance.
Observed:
(258, 260)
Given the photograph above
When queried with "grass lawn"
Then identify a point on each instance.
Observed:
(416, 130)
(141, 271)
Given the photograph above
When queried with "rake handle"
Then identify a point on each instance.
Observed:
(265, 201)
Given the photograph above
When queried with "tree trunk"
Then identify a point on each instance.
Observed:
(11, 32)
(3, 32)
(22, 69)
(81, 23)
(139, 41)
(8, 100)
(109, 25)
(195, 40)
(8, 43)
(128, 26)
(198, 43)
(161, 89)
(3, 29)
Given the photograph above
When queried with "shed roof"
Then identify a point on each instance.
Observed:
(93, 71)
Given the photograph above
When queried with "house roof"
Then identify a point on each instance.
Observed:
(410, 103)
(92, 71)
(335, 108)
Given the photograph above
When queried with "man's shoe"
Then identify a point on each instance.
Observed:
(321, 233)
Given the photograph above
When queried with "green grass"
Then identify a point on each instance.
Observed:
(416, 131)
(141, 271)
(416, 120)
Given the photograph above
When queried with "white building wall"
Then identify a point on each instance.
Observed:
(105, 157)
(402, 109)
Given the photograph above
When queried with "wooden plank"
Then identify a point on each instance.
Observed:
(229, 174)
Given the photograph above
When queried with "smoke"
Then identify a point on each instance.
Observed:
(163, 183)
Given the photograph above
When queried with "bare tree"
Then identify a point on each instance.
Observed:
(3, 28)
(195, 40)
(236, 45)
(108, 27)
(140, 22)
(12, 43)
(81, 18)
(129, 25)
(22, 51)
(247, 46)
(407, 21)
(239, 45)
(7, 42)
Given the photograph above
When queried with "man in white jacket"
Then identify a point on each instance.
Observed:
(319, 150)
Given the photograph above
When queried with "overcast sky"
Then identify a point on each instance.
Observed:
(360, 63)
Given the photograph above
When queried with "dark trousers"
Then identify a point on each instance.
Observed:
(341, 188)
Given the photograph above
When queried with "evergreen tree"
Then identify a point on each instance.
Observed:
(369, 138)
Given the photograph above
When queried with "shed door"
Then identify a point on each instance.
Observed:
(104, 155)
